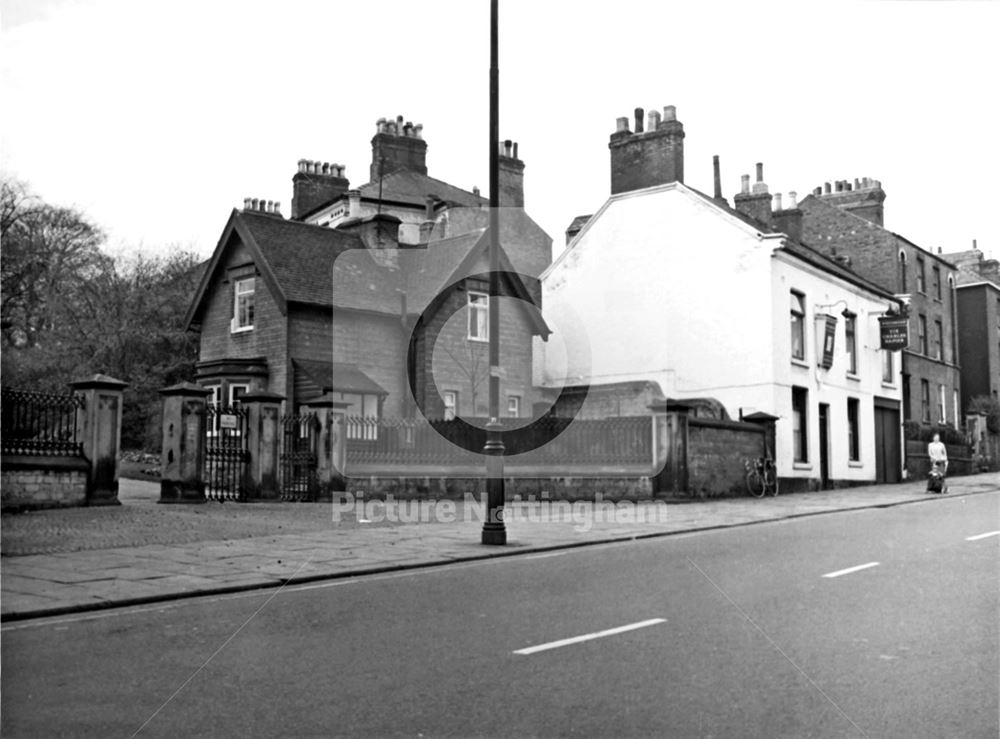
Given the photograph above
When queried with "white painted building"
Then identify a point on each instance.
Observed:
(666, 284)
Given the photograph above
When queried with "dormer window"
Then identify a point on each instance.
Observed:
(242, 305)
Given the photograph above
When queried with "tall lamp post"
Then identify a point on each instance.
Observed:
(494, 529)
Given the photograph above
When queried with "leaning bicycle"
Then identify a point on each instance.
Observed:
(762, 477)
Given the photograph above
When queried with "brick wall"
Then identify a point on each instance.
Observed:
(39, 483)
(716, 454)
(266, 339)
(375, 344)
(462, 365)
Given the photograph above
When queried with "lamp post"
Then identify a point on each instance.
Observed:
(494, 529)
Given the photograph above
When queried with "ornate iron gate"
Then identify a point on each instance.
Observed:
(227, 456)
(300, 435)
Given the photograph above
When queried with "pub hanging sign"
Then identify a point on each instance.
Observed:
(894, 332)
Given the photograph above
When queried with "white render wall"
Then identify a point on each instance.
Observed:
(665, 286)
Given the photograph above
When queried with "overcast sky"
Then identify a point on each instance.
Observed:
(156, 118)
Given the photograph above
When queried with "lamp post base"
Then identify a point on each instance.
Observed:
(494, 534)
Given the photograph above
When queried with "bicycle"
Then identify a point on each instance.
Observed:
(762, 477)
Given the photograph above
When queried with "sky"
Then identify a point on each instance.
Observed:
(157, 118)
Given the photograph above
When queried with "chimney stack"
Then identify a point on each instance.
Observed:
(316, 184)
(757, 202)
(864, 198)
(787, 220)
(397, 145)
(511, 175)
(259, 205)
(647, 157)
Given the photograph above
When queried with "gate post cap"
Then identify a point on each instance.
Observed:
(186, 388)
(100, 381)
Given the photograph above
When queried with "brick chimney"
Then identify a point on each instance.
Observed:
(652, 155)
(787, 220)
(397, 145)
(511, 176)
(258, 205)
(315, 185)
(864, 198)
(755, 202)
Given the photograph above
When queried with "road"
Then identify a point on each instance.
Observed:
(879, 622)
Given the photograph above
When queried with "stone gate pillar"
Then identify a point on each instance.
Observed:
(264, 444)
(331, 447)
(99, 429)
(182, 460)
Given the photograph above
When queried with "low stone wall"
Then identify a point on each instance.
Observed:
(30, 483)
(918, 464)
(716, 451)
(630, 488)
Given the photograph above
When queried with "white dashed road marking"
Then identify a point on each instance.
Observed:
(588, 637)
(849, 570)
(977, 537)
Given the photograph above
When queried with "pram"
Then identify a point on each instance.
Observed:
(935, 478)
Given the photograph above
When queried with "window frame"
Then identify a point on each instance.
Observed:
(235, 324)
(851, 342)
(921, 276)
(922, 334)
(800, 425)
(936, 281)
(479, 314)
(517, 403)
(244, 386)
(853, 430)
(942, 403)
(798, 325)
(888, 367)
(453, 407)
(925, 401)
(938, 339)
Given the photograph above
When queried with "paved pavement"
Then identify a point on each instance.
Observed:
(71, 560)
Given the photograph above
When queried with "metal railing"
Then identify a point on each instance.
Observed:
(39, 424)
(298, 462)
(553, 441)
(227, 457)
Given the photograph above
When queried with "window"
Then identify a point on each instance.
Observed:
(938, 339)
(514, 406)
(853, 441)
(479, 316)
(921, 276)
(887, 367)
(925, 401)
(954, 406)
(800, 440)
(242, 305)
(936, 281)
(941, 414)
(798, 312)
(237, 391)
(450, 404)
(215, 398)
(850, 342)
(902, 272)
(922, 334)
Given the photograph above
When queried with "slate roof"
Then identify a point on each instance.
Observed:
(407, 186)
(339, 376)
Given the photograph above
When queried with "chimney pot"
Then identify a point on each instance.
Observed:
(857, 184)
(246, 206)
(717, 176)
(669, 112)
(818, 191)
(253, 204)
(826, 188)
(406, 128)
(277, 208)
(847, 185)
(380, 125)
(975, 246)
(302, 165)
(638, 120)
(760, 171)
(745, 184)
(652, 120)
(418, 130)
(777, 201)
(515, 150)
(792, 199)
(325, 168)
(507, 147)
(475, 190)
(621, 125)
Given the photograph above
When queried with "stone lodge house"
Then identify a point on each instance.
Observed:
(376, 294)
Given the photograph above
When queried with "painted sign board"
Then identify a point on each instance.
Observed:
(894, 333)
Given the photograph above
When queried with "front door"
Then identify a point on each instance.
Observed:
(887, 444)
(824, 445)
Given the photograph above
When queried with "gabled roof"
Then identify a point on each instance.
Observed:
(295, 259)
(339, 376)
(797, 249)
(407, 186)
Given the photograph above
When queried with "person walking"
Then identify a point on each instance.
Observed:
(938, 454)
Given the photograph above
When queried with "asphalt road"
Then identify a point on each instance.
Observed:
(758, 631)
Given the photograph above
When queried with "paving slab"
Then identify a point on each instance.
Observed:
(79, 559)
